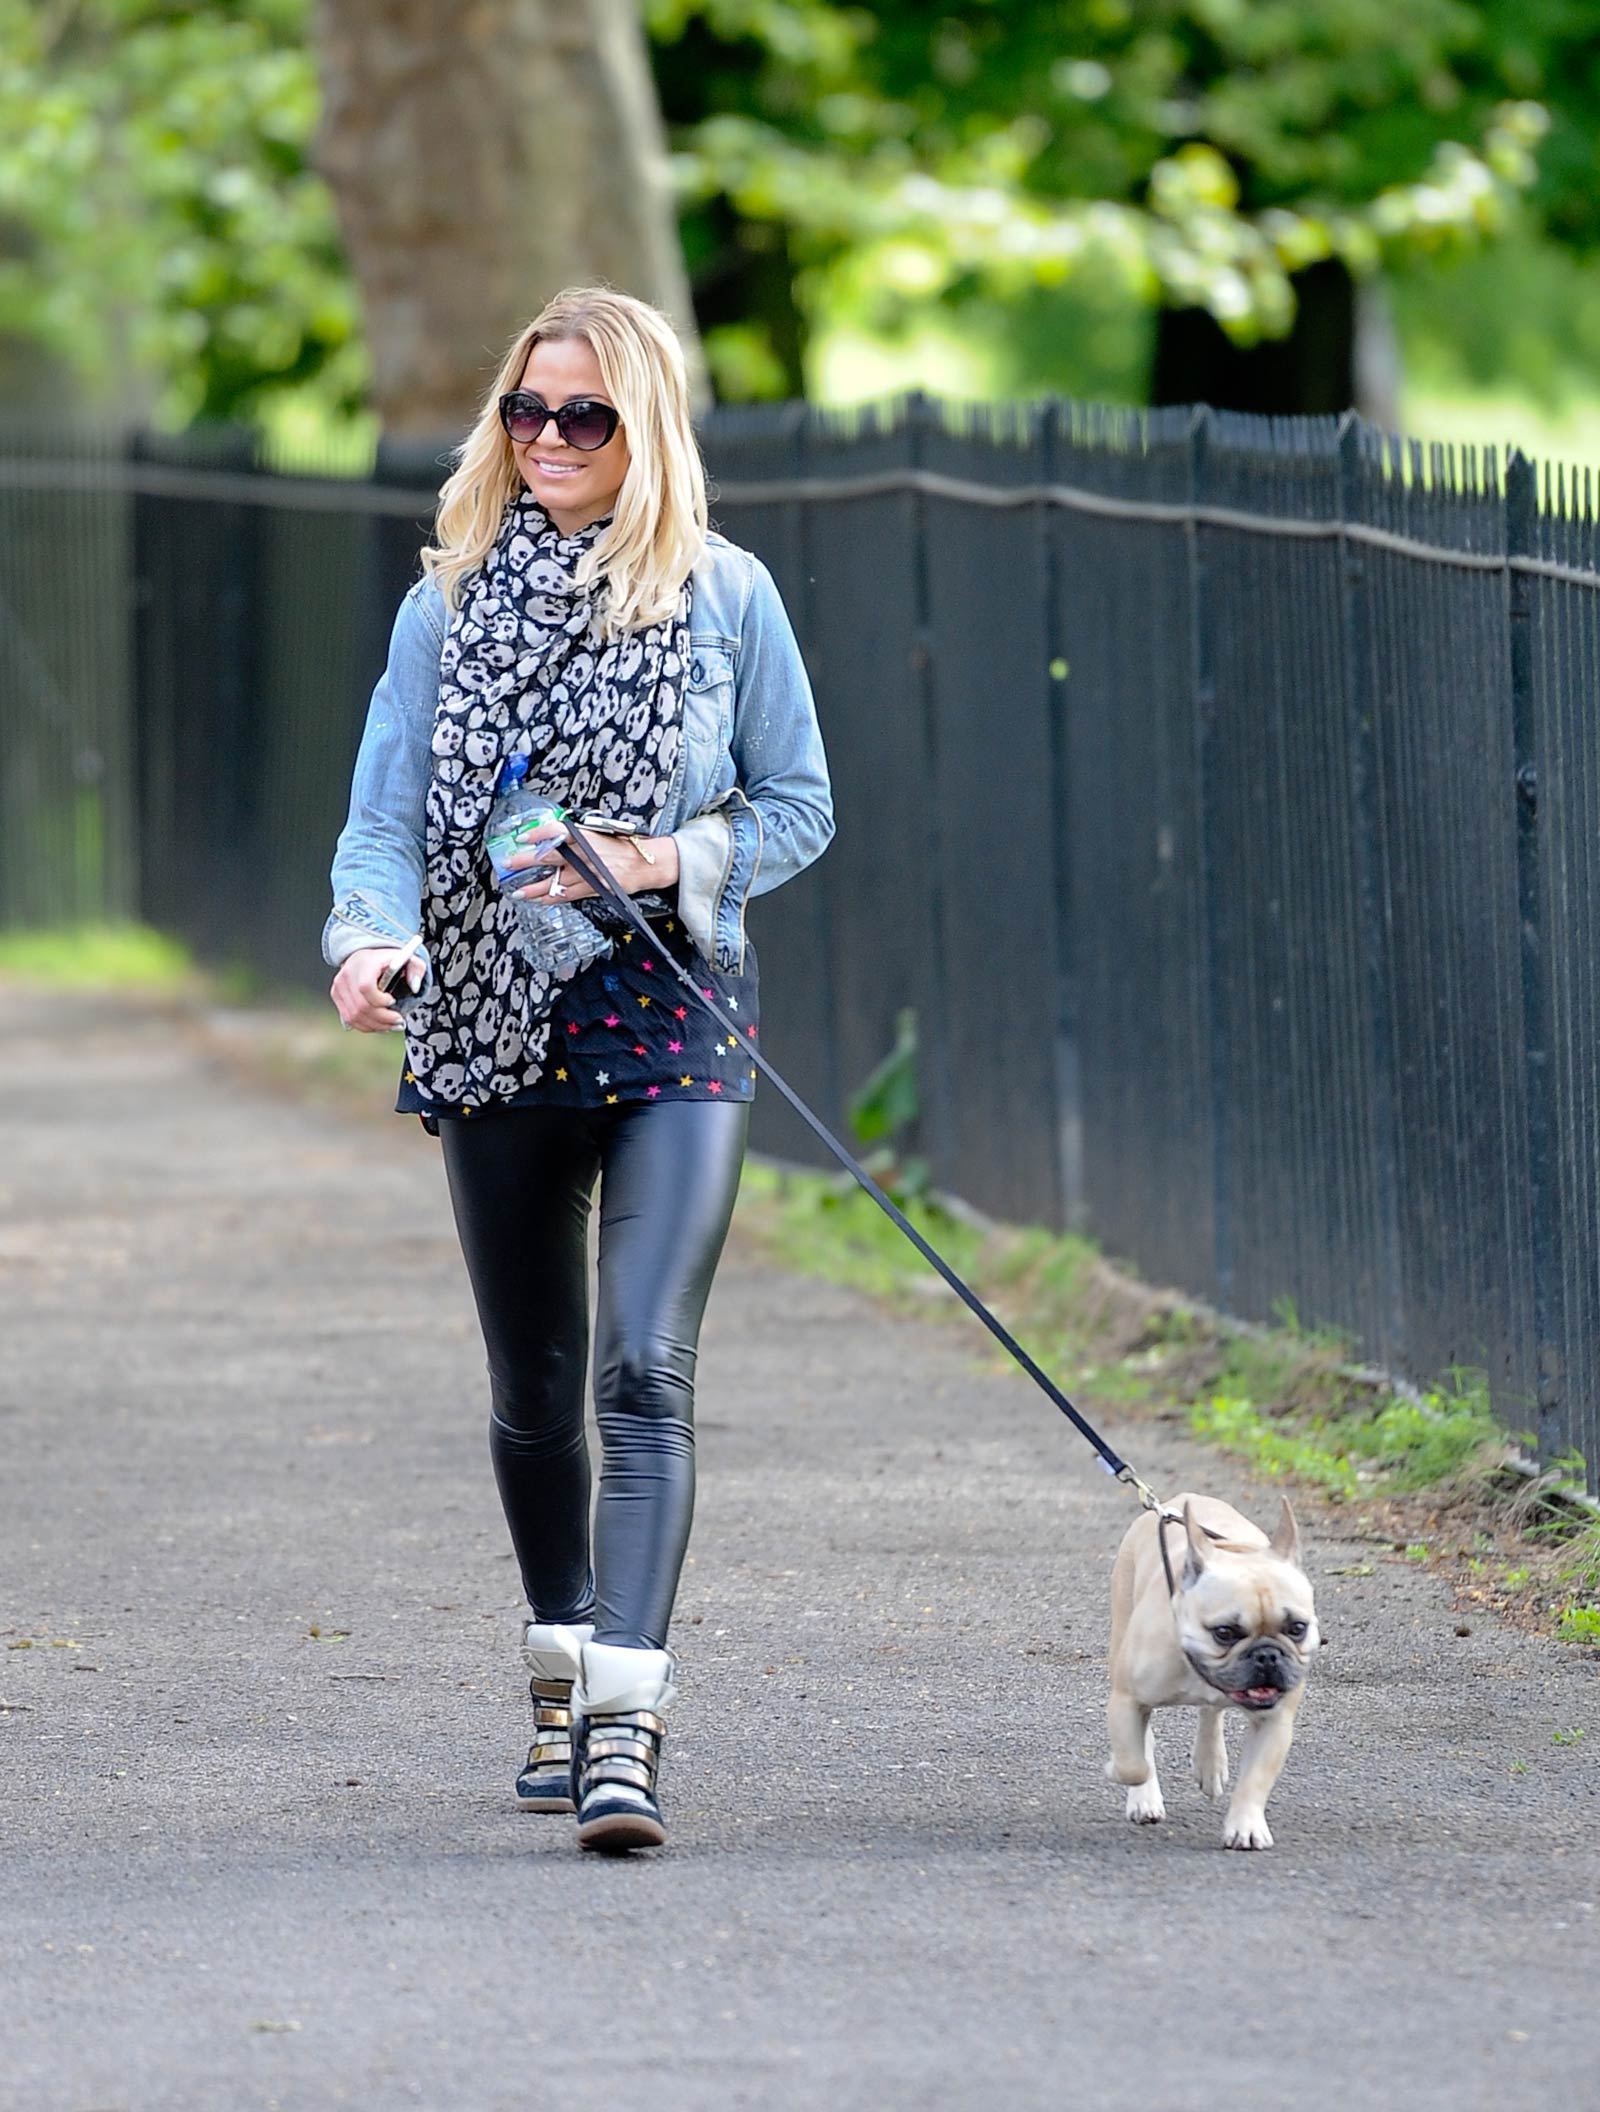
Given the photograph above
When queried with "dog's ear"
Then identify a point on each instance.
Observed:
(1199, 1547)
(1286, 1535)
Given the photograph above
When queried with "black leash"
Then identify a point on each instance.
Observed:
(1163, 1520)
(598, 875)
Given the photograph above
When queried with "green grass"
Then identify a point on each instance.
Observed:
(1238, 1426)
(1285, 1407)
(1277, 1398)
(813, 1224)
(97, 956)
(1035, 1279)
(1347, 1441)
(1419, 1446)
(1580, 1563)
(1579, 1624)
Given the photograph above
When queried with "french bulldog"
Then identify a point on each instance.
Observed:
(1221, 1619)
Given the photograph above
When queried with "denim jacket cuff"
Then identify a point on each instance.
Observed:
(360, 921)
(719, 855)
(744, 820)
(705, 852)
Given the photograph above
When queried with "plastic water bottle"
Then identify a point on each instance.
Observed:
(554, 936)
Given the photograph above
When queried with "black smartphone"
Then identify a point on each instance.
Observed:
(392, 982)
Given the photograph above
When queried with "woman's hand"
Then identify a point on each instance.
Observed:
(355, 993)
(633, 873)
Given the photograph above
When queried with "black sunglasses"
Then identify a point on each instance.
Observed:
(583, 422)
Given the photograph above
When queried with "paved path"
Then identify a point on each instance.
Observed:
(257, 1845)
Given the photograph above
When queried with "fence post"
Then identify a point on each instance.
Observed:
(1204, 691)
(1522, 504)
(238, 735)
(154, 765)
(1058, 705)
(794, 463)
(1363, 735)
(937, 1131)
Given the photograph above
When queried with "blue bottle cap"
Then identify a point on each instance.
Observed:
(512, 771)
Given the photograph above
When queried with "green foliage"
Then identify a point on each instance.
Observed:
(1579, 1624)
(1580, 1565)
(887, 1101)
(1419, 1446)
(884, 1111)
(1030, 176)
(1525, 307)
(162, 236)
(1328, 1341)
(1196, 154)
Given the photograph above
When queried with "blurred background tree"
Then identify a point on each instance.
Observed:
(477, 153)
(1143, 199)
(1117, 198)
(255, 210)
(164, 248)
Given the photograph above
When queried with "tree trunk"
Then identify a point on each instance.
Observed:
(481, 158)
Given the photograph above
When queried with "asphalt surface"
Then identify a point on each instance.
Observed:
(258, 1843)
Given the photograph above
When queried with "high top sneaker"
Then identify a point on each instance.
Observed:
(551, 1656)
(618, 1710)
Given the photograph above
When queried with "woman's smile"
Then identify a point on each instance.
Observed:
(560, 370)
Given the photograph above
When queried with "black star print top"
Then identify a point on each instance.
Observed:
(626, 1029)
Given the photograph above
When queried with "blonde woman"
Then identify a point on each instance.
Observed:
(576, 611)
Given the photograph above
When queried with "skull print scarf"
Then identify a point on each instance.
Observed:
(524, 669)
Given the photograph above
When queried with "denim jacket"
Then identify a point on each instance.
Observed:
(749, 803)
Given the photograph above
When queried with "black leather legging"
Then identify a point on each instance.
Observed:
(520, 1185)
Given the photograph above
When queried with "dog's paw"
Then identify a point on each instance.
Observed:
(1145, 1806)
(1249, 1829)
(1212, 1777)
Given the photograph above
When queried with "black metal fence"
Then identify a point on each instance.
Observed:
(1223, 794)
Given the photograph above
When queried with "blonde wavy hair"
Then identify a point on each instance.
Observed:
(658, 525)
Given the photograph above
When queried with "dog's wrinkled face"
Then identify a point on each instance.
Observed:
(1245, 1618)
